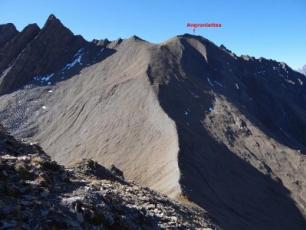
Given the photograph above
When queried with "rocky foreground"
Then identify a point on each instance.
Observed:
(37, 193)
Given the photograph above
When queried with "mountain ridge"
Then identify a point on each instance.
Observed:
(184, 117)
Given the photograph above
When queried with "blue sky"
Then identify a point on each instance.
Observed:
(261, 28)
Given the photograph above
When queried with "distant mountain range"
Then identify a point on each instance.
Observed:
(185, 117)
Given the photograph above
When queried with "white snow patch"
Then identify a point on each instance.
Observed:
(47, 78)
(286, 134)
(44, 107)
(77, 59)
(195, 95)
(210, 83)
(44, 79)
(261, 72)
(237, 86)
(290, 82)
(219, 84)
(210, 109)
(50, 91)
(283, 65)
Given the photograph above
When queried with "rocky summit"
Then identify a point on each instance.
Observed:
(223, 134)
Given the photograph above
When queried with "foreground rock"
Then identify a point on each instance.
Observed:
(37, 193)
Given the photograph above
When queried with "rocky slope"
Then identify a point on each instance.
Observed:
(37, 193)
(184, 117)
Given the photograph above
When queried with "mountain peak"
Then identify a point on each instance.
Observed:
(7, 31)
(192, 36)
(136, 38)
(52, 17)
(32, 26)
(53, 21)
(189, 37)
(7, 26)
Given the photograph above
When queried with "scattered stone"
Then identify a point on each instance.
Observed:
(37, 193)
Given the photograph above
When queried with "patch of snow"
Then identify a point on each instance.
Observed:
(237, 86)
(261, 72)
(47, 78)
(44, 107)
(194, 95)
(286, 134)
(44, 79)
(283, 65)
(219, 84)
(210, 109)
(290, 82)
(50, 91)
(210, 83)
(76, 61)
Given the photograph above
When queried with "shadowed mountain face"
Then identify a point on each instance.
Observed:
(7, 31)
(219, 166)
(43, 56)
(185, 117)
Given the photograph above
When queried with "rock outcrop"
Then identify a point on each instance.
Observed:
(37, 193)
